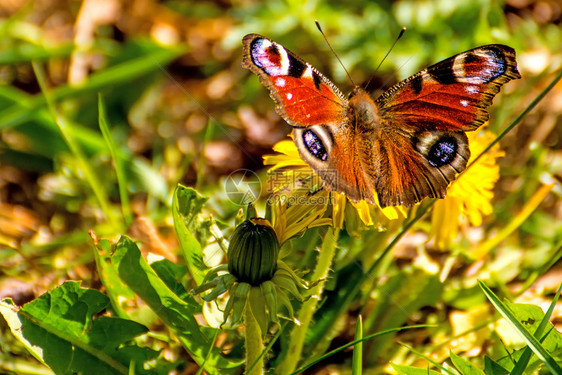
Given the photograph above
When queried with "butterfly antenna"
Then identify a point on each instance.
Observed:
(388, 53)
(334, 52)
(392, 47)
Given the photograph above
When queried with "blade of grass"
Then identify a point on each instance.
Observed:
(64, 125)
(523, 361)
(109, 77)
(357, 367)
(428, 359)
(117, 160)
(88, 139)
(34, 52)
(527, 210)
(209, 353)
(531, 341)
(355, 342)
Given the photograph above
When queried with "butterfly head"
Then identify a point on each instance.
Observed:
(364, 113)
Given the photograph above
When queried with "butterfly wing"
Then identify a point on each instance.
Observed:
(452, 94)
(422, 146)
(304, 97)
(317, 110)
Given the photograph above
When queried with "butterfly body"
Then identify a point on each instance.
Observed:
(408, 144)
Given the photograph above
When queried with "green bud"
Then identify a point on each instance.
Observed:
(253, 252)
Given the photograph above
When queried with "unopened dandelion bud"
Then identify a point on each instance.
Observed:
(253, 252)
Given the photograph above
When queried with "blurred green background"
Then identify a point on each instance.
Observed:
(180, 109)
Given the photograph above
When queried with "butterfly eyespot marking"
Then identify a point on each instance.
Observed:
(479, 66)
(270, 57)
(314, 145)
(443, 152)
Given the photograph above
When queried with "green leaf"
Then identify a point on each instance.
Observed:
(514, 321)
(115, 288)
(464, 366)
(493, 368)
(117, 160)
(64, 125)
(523, 361)
(177, 314)
(186, 204)
(518, 362)
(531, 317)
(59, 330)
(172, 274)
(408, 370)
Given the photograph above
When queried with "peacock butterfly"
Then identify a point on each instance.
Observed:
(408, 144)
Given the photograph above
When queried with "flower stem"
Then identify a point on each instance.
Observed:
(306, 312)
(254, 343)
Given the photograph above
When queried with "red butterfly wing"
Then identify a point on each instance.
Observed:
(452, 94)
(304, 97)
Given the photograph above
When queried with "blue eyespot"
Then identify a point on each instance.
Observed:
(442, 152)
(314, 145)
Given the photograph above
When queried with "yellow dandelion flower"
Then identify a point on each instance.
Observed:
(469, 197)
(287, 156)
(291, 220)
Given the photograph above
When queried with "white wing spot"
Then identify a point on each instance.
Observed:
(280, 82)
(464, 103)
(308, 115)
(472, 89)
(289, 96)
